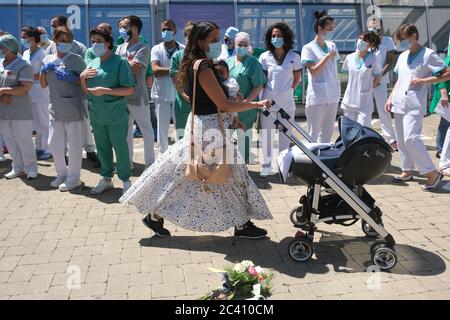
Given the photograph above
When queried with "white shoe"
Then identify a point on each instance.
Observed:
(2, 157)
(57, 182)
(102, 186)
(126, 186)
(68, 186)
(265, 171)
(31, 175)
(12, 174)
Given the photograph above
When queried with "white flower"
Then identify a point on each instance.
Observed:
(247, 263)
(259, 269)
(239, 267)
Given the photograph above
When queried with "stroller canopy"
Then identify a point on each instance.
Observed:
(352, 132)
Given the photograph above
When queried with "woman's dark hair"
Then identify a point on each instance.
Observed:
(32, 32)
(193, 52)
(406, 31)
(62, 31)
(104, 34)
(135, 21)
(322, 19)
(288, 36)
(372, 38)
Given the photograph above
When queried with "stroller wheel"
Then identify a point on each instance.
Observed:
(384, 257)
(368, 230)
(301, 249)
(295, 214)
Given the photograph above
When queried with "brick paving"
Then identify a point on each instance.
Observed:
(49, 239)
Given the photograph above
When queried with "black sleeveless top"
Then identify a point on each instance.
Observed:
(203, 105)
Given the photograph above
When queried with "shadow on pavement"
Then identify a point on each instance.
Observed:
(333, 252)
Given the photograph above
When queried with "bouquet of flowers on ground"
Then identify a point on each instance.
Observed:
(243, 281)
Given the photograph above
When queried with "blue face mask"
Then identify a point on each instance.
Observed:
(99, 49)
(278, 42)
(63, 47)
(124, 34)
(44, 37)
(167, 35)
(25, 43)
(242, 51)
(361, 45)
(328, 35)
(215, 49)
(404, 45)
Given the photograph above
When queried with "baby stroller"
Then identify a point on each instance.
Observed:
(341, 169)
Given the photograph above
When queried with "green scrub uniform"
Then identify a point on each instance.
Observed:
(249, 74)
(439, 86)
(109, 115)
(182, 107)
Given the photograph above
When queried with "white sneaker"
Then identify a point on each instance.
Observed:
(2, 157)
(68, 186)
(57, 182)
(126, 186)
(265, 171)
(12, 174)
(103, 185)
(31, 175)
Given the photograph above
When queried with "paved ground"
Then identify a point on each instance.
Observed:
(49, 239)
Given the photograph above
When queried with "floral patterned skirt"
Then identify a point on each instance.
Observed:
(163, 188)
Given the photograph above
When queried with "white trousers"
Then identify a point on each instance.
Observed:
(413, 153)
(164, 112)
(321, 120)
(72, 132)
(267, 136)
(387, 129)
(88, 137)
(444, 163)
(40, 124)
(18, 140)
(363, 117)
(141, 114)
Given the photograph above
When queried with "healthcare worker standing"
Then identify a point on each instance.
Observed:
(107, 81)
(61, 74)
(229, 46)
(39, 96)
(163, 90)
(385, 54)
(249, 74)
(283, 69)
(90, 55)
(324, 89)
(45, 40)
(408, 102)
(137, 53)
(16, 80)
(182, 104)
(364, 73)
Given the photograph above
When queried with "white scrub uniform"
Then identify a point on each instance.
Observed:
(163, 93)
(40, 99)
(358, 98)
(16, 118)
(380, 92)
(280, 79)
(67, 116)
(409, 105)
(323, 93)
(139, 101)
(225, 54)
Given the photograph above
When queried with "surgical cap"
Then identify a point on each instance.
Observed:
(231, 32)
(10, 42)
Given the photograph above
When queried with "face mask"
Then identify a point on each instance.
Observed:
(215, 49)
(99, 49)
(167, 36)
(242, 51)
(361, 45)
(124, 34)
(63, 47)
(404, 45)
(44, 37)
(327, 35)
(278, 42)
(25, 43)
